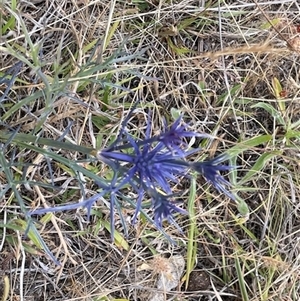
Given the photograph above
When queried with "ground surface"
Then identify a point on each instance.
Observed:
(232, 68)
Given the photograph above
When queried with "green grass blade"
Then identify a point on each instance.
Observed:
(241, 280)
(258, 166)
(248, 144)
(192, 233)
(21, 137)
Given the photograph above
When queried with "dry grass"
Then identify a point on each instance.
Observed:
(232, 67)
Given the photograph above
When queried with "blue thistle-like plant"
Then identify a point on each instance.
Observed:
(211, 172)
(164, 208)
(149, 166)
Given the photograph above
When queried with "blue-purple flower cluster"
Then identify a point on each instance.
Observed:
(150, 167)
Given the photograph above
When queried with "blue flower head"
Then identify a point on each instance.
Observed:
(151, 162)
(210, 170)
(173, 137)
(164, 208)
(150, 166)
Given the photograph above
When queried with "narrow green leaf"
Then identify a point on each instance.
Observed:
(277, 88)
(271, 110)
(21, 137)
(119, 239)
(243, 208)
(292, 134)
(30, 234)
(192, 244)
(248, 144)
(258, 166)
(241, 279)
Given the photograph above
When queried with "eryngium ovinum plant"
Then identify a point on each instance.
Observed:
(149, 166)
